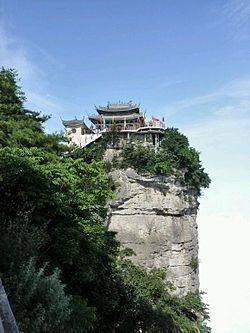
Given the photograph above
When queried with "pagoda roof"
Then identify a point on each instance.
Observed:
(72, 123)
(118, 108)
(75, 123)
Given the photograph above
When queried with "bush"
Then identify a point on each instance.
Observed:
(150, 305)
(39, 302)
(174, 157)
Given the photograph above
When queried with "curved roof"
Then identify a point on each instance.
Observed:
(73, 123)
(118, 108)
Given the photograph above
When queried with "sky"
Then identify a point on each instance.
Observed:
(188, 61)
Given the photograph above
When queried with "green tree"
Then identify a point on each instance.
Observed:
(60, 265)
(39, 301)
(66, 199)
(175, 148)
(51, 210)
(175, 157)
(11, 95)
(149, 304)
(20, 127)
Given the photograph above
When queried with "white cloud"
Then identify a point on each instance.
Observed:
(240, 108)
(237, 13)
(222, 134)
(47, 102)
(238, 10)
(239, 88)
(13, 54)
(236, 89)
(224, 269)
(223, 219)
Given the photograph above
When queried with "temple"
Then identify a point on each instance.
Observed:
(123, 118)
(118, 117)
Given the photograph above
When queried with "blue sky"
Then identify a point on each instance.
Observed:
(188, 61)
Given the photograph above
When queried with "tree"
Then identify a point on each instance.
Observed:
(149, 304)
(20, 127)
(175, 157)
(39, 301)
(11, 95)
(61, 267)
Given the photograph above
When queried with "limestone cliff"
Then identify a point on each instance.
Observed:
(156, 217)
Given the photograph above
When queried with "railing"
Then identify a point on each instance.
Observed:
(128, 127)
(155, 124)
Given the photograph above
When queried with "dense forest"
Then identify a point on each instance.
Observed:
(62, 270)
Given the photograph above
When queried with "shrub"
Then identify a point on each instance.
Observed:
(39, 302)
(174, 156)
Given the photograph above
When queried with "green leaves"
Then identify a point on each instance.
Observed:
(137, 156)
(64, 201)
(11, 96)
(150, 305)
(175, 157)
(20, 127)
(39, 301)
(61, 267)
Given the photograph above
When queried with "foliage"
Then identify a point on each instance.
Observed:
(150, 305)
(65, 198)
(61, 268)
(20, 241)
(176, 149)
(175, 156)
(194, 263)
(39, 301)
(11, 95)
(138, 157)
(19, 126)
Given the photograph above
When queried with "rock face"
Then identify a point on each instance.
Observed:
(156, 217)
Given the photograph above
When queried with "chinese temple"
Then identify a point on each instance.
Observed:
(118, 117)
(123, 118)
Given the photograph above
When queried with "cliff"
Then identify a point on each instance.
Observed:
(156, 217)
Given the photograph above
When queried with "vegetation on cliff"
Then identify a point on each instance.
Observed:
(62, 270)
(174, 157)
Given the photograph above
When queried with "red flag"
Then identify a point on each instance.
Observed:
(155, 119)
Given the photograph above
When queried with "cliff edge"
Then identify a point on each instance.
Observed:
(155, 216)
